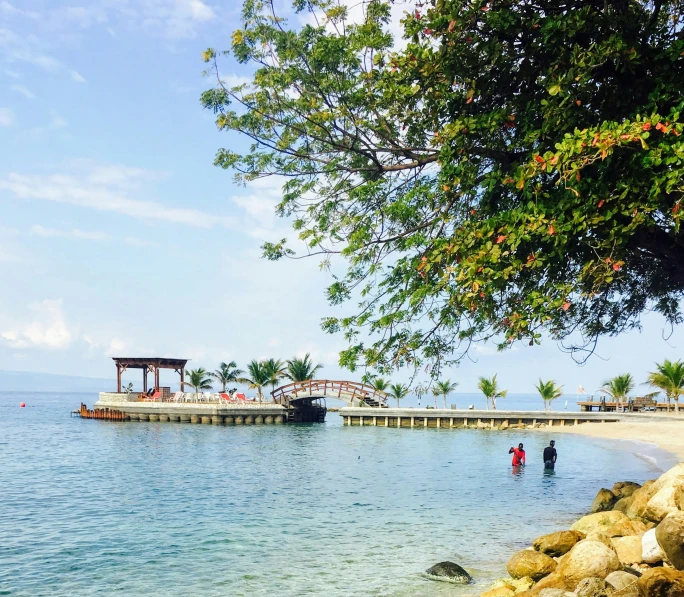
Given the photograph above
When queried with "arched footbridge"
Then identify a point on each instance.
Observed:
(351, 392)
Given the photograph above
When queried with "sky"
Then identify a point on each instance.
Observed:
(118, 237)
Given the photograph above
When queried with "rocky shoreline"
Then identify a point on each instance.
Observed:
(630, 545)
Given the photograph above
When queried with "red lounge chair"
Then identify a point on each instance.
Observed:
(241, 397)
(225, 396)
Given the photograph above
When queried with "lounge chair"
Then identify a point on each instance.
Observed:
(178, 397)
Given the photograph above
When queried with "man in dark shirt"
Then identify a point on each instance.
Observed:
(550, 455)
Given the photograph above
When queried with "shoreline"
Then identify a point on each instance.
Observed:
(666, 434)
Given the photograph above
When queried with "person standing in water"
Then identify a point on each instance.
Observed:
(550, 455)
(518, 455)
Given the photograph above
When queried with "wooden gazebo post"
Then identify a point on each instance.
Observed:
(118, 378)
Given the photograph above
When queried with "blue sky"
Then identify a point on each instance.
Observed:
(119, 237)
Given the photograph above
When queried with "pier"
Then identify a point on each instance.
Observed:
(470, 419)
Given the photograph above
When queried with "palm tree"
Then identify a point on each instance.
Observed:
(301, 369)
(669, 377)
(258, 377)
(199, 379)
(380, 384)
(275, 369)
(491, 390)
(619, 387)
(443, 388)
(227, 373)
(398, 392)
(549, 391)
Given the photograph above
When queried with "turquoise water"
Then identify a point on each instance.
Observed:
(97, 508)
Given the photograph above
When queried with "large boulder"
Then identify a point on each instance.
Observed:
(450, 572)
(557, 544)
(623, 504)
(624, 582)
(605, 500)
(626, 528)
(624, 489)
(555, 593)
(588, 558)
(670, 536)
(628, 550)
(640, 499)
(651, 553)
(592, 587)
(664, 498)
(661, 582)
(530, 563)
(598, 521)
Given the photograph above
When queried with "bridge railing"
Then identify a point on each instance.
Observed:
(327, 388)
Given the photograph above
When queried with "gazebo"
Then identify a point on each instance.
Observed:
(148, 365)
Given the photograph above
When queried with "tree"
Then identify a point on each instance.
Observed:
(275, 370)
(619, 387)
(301, 369)
(227, 373)
(443, 388)
(380, 384)
(669, 377)
(513, 168)
(199, 379)
(489, 387)
(258, 375)
(398, 392)
(549, 391)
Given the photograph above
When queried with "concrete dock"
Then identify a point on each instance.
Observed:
(471, 419)
(256, 413)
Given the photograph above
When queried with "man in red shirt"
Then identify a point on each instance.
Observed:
(518, 455)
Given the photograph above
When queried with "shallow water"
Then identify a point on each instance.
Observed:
(97, 508)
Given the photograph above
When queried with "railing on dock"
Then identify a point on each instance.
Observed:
(104, 414)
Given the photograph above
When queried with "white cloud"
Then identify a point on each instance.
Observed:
(107, 188)
(75, 233)
(13, 74)
(77, 77)
(6, 117)
(27, 93)
(12, 11)
(47, 328)
(56, 121)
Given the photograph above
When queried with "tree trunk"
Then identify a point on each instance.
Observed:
(676, 405)
(493, 403)
(445, 397)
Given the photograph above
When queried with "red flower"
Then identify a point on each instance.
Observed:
(551, 230)
(600, 203)
(566, 306)
(500, 239)
(647, 126)
(616, 267)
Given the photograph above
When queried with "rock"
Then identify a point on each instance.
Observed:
(605, 500)
(670, 536)
(530, 563)
(504, 426)
(599, 535)
(598, 521)
(522, 584)
(498, 592)
(554, 593)
(620, 580)
(588, 558)
(640, 499)
(552, 581)
(626, 528)
(623, 504)
(557, 544)
(661, 504)
(481, 425)
(592, 587)
(650, 550)
(661, 582)
(450, 572)
(628, 549)
(624, 489)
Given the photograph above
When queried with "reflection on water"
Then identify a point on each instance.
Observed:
(92, 508)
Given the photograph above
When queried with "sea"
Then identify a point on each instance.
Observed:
(97, 508)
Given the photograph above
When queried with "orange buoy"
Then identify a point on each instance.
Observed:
(22, 405)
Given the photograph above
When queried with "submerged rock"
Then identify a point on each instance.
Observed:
(530, 563)
(449, 572)
(670, 536)
(605, 500)
(557, 544)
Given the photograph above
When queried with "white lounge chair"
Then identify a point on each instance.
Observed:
(178, 397)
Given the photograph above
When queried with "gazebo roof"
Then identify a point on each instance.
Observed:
(144, 362)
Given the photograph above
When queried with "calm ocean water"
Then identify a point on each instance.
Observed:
(95, 508)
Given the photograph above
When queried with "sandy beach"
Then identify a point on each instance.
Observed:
(667, 433)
